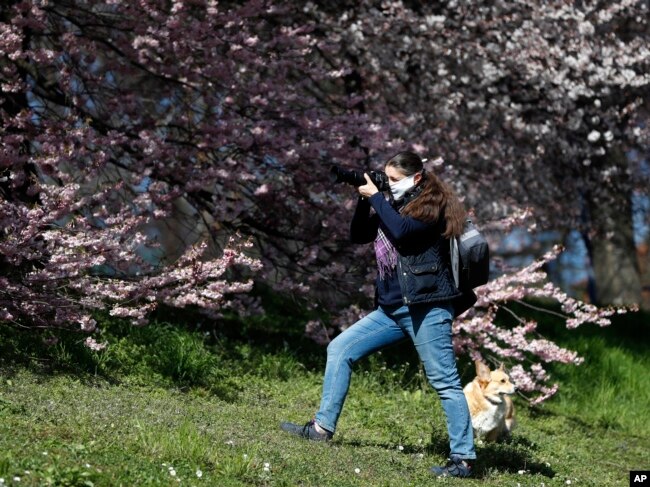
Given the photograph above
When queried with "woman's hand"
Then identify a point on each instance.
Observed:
(368, 189)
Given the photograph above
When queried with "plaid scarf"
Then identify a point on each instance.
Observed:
(386, 255)
(384, 250)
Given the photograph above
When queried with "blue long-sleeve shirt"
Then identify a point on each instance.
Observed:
(398, 229)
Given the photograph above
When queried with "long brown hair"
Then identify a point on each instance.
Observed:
(436, 197)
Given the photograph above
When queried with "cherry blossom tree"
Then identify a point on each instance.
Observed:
(172, 153)
(110, 121)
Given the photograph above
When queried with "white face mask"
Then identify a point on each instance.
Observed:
(402, 186)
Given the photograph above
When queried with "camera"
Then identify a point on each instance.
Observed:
(356, 179)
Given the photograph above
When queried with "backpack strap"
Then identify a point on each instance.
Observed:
(455, 259)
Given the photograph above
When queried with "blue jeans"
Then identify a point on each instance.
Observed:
(429, 327)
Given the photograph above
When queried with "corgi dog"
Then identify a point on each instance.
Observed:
(490, 405)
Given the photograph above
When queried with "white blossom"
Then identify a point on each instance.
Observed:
(594, 136)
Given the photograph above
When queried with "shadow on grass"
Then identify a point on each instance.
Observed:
(179, 348)
(510, 456)
(50, 353)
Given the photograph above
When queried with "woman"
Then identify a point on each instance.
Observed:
(415, 294)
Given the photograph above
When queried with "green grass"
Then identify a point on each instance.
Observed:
(180, 399)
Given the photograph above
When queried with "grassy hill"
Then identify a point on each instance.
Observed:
(197, 405)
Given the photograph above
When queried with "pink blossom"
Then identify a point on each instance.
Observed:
(88, 324)
(91, 343)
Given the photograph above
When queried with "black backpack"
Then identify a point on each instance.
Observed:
(470, 258)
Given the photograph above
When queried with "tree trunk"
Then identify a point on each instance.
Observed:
(614, 260)
(643, 255)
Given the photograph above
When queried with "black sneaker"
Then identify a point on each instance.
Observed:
(456, 467)
(307, 431)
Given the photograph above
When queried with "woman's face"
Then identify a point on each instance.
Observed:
(395, 175)
(399, 182)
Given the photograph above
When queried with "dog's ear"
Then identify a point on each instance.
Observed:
(482, 371)
(501, 368)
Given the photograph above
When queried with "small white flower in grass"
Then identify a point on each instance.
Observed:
(164, 464)
(45, 453)
(357, 470)
(199, 474)
(230, 442)
(2, 481)
(87, 465)
(27, 472)
(568, 482)
(521, 472)
(400, 448)
(245, 456)
(172, 472)
(16, 479)
(420, 455)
